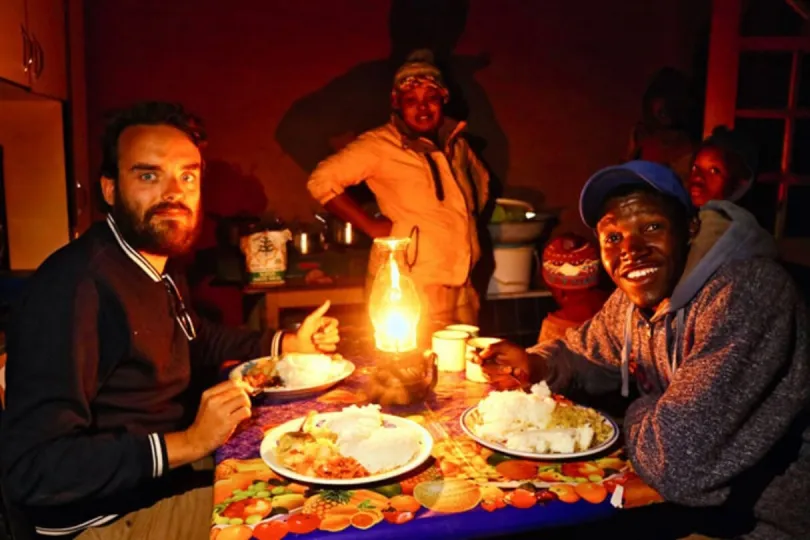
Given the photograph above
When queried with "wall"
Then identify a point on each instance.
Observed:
(553, 86)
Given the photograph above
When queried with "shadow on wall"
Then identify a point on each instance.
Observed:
(229, 191)
(324, 121)
(229, 196)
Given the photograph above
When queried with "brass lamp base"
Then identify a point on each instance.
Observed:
(402, 378)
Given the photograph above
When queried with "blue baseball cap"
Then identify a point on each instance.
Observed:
(659, 177)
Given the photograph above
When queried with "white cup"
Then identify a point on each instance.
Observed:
(470, 329)
(475, 345)
(450, 347)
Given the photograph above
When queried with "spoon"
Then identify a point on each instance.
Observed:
(291, 438)
(251, 391)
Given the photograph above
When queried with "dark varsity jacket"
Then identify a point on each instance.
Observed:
(99, 367)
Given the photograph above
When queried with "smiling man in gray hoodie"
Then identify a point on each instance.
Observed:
(714, 333)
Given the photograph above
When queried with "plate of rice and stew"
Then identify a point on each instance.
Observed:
(535, 425)
(293, 375)
(358, 445)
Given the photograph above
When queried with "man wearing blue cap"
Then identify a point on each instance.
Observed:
(717, 345)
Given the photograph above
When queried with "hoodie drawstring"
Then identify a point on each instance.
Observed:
(673, 347)
(668, 338)
(626, 348)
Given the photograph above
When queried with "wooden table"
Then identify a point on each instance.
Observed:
(298, 294)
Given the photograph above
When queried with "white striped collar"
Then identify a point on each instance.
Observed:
(64, 531)
(132, 253)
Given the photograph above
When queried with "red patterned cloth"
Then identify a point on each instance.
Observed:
(570, 262)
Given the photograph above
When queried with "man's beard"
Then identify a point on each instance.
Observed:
(168, 238)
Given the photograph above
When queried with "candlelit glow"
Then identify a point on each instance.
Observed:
(394, 303)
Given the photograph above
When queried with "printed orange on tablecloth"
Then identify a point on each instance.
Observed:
(479, 490)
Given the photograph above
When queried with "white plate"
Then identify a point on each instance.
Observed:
(271, 438)
(466, 425)
(295, 392)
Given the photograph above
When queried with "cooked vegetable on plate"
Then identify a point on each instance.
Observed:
(355, 443)
(291, 372)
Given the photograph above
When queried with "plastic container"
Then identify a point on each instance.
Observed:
(513, 269)
(266, 256)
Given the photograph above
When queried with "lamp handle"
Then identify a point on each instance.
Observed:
(431, 359)
(414, 234)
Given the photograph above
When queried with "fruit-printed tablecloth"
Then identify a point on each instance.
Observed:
(464, 490)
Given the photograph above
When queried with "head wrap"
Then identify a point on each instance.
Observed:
(418, 70)
(570, 262)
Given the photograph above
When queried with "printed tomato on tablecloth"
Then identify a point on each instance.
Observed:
(462, 457)
(461, 477)
(276, 507)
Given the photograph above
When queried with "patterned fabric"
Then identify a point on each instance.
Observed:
(570, 262)
(419, 70)
(466, 489)
(415, 81)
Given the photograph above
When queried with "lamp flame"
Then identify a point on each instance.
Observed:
(394, 304)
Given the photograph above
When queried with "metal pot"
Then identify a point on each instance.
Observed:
(307, 242)
(341, 233)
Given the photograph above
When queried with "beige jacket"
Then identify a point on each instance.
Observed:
(394, 166)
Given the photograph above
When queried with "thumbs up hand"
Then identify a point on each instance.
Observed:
(317, 334)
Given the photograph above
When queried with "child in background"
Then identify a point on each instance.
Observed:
(723, 169)
(571, 271)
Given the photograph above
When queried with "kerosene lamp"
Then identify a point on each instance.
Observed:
(402, 373)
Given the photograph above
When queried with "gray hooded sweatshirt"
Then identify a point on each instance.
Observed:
(724, 375)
